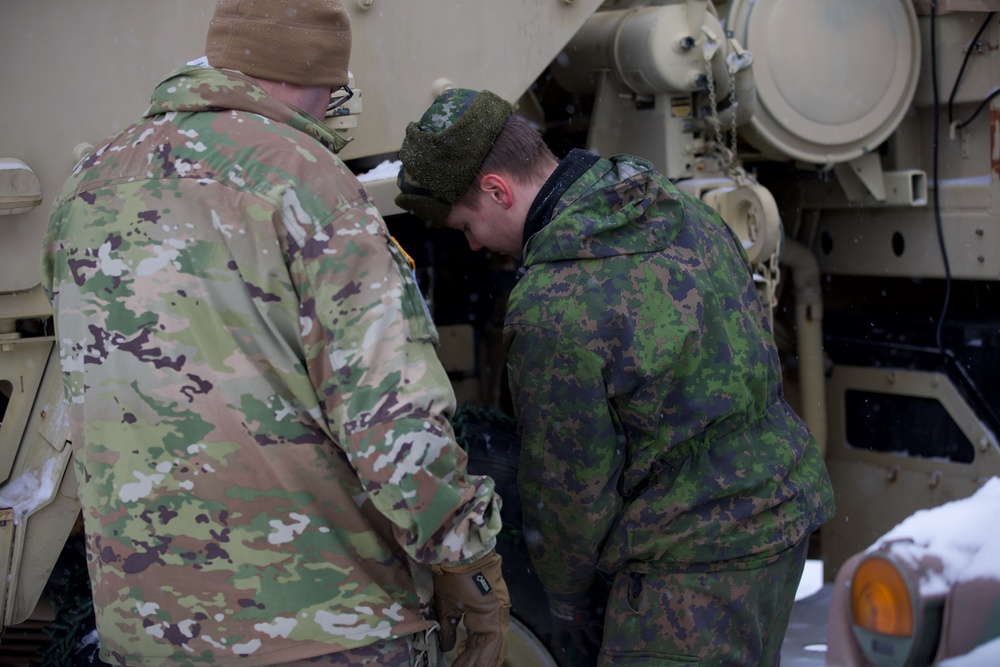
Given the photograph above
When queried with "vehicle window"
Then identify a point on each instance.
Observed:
(910, 425)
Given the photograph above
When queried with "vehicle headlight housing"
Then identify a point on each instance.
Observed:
(894, 625)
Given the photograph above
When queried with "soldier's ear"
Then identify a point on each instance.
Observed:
(497, 190)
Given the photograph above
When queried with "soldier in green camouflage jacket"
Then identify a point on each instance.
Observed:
(656, 444)
(259, 418)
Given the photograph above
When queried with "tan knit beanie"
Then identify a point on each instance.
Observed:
(304, 42)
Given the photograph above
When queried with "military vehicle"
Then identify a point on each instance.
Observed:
(854, 145)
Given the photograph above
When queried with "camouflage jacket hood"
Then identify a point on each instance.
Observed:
(575, 232)
(196, 89)
(259, 417)
(654, 431)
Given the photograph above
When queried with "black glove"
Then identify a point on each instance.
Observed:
(573, 622)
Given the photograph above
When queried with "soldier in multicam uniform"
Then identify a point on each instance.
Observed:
(260, 422)
(656, 444)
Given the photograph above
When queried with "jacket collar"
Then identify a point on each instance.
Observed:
(570, 168)
(207, 89)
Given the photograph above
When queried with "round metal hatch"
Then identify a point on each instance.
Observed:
(834, 77)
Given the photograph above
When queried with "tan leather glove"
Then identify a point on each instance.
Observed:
(477, 591)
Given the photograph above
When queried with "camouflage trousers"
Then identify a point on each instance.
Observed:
(734, 618)
(416, 650)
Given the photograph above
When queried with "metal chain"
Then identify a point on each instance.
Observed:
(769, 269)
(713, 102)
(725, 154)
(732, 106)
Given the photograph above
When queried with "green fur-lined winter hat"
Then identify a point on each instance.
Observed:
(443, 150)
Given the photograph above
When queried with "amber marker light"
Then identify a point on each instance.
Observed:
(880, 599)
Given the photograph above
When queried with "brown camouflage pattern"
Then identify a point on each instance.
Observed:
(259, 418)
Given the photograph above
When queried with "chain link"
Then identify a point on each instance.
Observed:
(769, 270)
(712, 100)
(725, 154)
(732, 106)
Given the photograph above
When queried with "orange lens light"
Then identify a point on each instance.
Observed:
(880, 599)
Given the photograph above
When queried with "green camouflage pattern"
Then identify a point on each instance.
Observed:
(647, 382)
(447, 109)
(686, 618)
(445, 148)
(259, 418)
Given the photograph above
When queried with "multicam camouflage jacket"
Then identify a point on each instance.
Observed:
(258, 415)
(654, 432)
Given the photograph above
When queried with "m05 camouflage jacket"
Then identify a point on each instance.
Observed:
(259, 418)
(654, 431)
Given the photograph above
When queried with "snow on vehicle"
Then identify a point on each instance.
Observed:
(925, 592)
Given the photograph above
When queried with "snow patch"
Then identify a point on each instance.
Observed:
(30, 490)
(384, 171)
(811, 581)
(952, 532)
